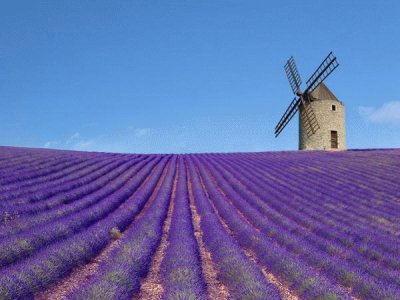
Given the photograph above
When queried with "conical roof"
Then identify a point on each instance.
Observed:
(322, 92)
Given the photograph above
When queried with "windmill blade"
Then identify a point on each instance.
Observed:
(293, 74)
(288, 115)
(328, 65)
(308, 118)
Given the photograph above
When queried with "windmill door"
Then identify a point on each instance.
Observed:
(334, 140)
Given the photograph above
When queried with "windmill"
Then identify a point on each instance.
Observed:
(321, 114)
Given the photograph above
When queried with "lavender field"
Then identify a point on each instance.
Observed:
(272, 225)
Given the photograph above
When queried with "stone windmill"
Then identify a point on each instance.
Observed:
(321, 117)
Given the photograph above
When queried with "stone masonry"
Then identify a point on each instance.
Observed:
(329, 119)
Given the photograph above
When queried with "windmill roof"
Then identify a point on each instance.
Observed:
(322, 92)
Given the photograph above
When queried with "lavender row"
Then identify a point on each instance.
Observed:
(31, 158)
(358, 216)
(51, 264)
(61, 169)
(276, 186)
(307, 217)
(16, 180)
(327, 264)
(119, 276)
(41, 191)
(74, 163)
(352, 237)
(57, 207)
(42, 169)
(332, 168)
(71, 191)
(324, 183)
(371, 259)
(243, 278)
(63, 176)
(22, 170)
(353, 256)
(330, 247)
(322, 179)
(181, 270)
(301, 279)
(27, 243)
(10, 156)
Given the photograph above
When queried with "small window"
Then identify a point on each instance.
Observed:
(333, 107)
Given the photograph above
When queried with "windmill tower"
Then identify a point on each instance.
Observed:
(321, 114)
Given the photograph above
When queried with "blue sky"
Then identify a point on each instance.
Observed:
(190, 76)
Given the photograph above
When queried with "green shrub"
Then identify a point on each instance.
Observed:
(115, 233)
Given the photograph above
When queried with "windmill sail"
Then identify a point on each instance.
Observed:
(314, 83)
(328, 65)
(308, 118)
(293, 75)
(288, 115)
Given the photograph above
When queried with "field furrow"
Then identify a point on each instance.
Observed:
(272, 225)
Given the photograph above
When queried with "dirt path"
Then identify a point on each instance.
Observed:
(81, 274)
(215, 288)
(151, 287)
(285, 292)
(77, 277)
(222, 221)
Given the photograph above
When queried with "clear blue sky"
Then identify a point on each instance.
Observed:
(190, 76)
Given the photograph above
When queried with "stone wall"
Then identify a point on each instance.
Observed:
(328, 120)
